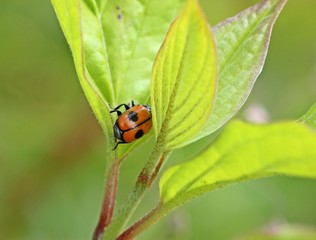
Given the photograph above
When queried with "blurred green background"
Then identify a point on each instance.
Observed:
(51, 147)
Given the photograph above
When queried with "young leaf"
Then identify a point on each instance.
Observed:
(183, 78)
(69, 19)
(119, 42)
(114, 45)
(243, 152)
(242, 45)
(309, 118)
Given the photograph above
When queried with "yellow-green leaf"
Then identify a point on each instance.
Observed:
(243, 152)
(183, 79)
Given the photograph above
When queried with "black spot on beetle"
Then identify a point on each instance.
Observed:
(119, 16)
(132, 116)
(139, 134)
(118, 8)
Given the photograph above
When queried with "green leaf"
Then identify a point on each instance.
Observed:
(309, 118)
(118, 41)
(114, 45)
(242, 45)
(183, 79)
(69, 19)
(243, 152)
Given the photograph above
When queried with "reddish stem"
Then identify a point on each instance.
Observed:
(139, 226)
(108, 201)
(146, 178)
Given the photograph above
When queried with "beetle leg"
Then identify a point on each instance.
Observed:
(123, 104)
(126, 106)
(120, 142)
(119, 113)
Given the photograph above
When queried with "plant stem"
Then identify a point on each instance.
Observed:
(161, 210)
(108, 201)
(153, 216)
(144, 181)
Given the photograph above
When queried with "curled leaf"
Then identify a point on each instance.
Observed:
(184, 79)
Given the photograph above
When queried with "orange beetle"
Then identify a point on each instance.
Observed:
(131, 124)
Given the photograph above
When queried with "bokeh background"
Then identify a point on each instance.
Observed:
(51, 147)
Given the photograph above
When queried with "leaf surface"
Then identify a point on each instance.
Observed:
(184, 78)
(69, 18)
(118, 41)
(114, 45)
(243, 152)
(242, 45)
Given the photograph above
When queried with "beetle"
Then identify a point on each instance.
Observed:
(131, 124)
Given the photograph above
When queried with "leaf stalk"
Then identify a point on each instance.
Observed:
(144, 181)
(109, 200)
